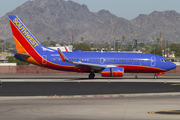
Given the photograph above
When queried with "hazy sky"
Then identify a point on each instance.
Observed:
(128, 9)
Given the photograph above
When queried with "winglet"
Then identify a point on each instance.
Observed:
(65, 47)
(63, 57)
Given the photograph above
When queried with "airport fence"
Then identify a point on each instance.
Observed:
(41, 70)
(29, 70)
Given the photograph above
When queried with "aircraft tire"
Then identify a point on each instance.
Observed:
(91, 76)
(155, 77)
(136, 77)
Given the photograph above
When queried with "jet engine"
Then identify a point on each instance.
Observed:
(113, 72)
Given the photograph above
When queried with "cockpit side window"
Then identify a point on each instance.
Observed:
(164, 60)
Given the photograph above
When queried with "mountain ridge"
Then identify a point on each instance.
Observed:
(59, 19)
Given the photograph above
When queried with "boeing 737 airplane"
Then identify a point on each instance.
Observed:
(109, 64)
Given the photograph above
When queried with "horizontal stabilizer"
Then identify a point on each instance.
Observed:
(20, 54)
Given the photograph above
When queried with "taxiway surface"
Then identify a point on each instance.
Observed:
(98, 99)
(55, 108)
(48, 87)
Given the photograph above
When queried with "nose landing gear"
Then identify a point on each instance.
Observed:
(155, 76)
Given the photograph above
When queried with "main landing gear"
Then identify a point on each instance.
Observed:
(91, 76)
(136, 76)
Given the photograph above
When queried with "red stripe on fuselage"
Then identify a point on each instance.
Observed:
(140, 69)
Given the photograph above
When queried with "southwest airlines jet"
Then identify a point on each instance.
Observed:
(106, 63)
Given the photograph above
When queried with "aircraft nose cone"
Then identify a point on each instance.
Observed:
(173, 65)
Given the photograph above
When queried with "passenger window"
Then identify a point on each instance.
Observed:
(59, 59)
(54, 59)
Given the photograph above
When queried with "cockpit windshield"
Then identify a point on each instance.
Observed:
(164, 60)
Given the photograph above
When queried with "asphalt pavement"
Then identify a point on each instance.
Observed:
(84, 88)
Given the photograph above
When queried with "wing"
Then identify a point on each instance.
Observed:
(81, 65)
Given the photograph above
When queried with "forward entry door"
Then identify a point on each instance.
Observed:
(153, 61)
(44, 62)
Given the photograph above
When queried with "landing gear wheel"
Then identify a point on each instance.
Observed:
(155, 77)
(136, 76)
(91, 76)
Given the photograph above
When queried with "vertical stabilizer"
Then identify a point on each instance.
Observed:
(23, 38)
(25, 42)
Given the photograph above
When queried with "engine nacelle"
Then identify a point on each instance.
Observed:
(113, 72)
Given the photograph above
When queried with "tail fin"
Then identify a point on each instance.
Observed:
(25, 42)
(23, 38)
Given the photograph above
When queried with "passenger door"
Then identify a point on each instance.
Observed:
(153, 61)
(44, 62)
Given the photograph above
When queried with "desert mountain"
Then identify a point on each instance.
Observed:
(56, 19)
(59, 19)
(143, 28)
(168, 22)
